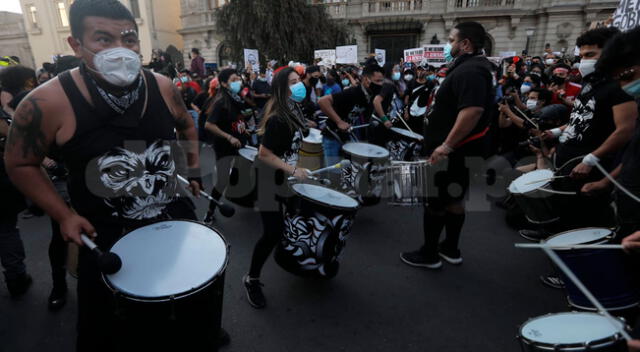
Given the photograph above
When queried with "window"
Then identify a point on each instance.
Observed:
(33, 18)
(135, 8)
(62, 14)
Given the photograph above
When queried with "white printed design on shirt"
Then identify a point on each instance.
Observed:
(580, 122)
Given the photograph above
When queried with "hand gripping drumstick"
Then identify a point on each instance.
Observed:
(341, 165)
(226, 210)
(358, 127)
(109, 262)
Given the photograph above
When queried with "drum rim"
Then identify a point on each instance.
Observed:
(411, 134)
(533, 190)
(160, 299)
(556, 347)
(605, 239)
(366, 156)
(244, 157)
(356, 208)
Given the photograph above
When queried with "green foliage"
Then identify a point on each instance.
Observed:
(280, 29)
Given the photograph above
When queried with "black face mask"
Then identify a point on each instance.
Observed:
(558, 80)
(375, 88)
(323, 79)
(313, 81)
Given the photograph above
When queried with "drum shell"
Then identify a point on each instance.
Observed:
(242, 187)
(538, 205)
(332, 226)
(364, 179)
(403, 148)
(406, 183)
(311, 156)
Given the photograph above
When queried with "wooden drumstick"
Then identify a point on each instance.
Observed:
(572, 246)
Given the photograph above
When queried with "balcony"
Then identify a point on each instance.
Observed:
(335, 8)
(391, 7)
(457, 5)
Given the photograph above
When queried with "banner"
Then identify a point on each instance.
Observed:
(252, 59)
(347, 54)
(414, 55)
(381, 56)
(508, 54)
(435, 55)
(328, 57)
(627, 15)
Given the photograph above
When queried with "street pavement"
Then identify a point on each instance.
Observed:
(376, 303)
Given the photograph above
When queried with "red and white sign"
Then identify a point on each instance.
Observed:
(434, 55)
(414, 55)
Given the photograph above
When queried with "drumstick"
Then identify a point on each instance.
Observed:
(341, 165)
(108, 263)
(546, 179)
(404, 122)
(527, 118)
(617, 324)
(225, 210)
(359, 126)
(571, 246)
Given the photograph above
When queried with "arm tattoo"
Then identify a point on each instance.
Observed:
(181, 110)
(26, 130)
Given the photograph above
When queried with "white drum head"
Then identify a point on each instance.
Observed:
(325, 196)
(523, 183)
(248, 153)
(568, 328)
(314, 137)
(366, 150)
(407, 133)
(168, 258)
(581, 236)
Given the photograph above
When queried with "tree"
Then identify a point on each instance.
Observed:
(284, 30)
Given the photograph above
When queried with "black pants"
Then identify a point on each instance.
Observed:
(272, 230)
(223, 170)
(58, 256)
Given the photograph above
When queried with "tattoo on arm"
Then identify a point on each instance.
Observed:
(26, 130)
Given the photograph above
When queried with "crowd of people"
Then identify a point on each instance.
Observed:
(574, 115)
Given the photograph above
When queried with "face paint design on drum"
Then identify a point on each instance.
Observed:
(308, 239)
(141, 185)
(402, 150)
(356, 184)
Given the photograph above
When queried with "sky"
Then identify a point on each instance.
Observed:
(10, 5)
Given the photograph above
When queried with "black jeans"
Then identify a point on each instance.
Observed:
(11, 248)
(272, 230)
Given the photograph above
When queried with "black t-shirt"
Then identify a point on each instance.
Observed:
(188, 96)
(628, 209)
(200, 100)
(226, 114)
(418, 94)
(260, 87)
(350, 104)
(468, 84)
(282, 140)
(591, 121)
(387, 92)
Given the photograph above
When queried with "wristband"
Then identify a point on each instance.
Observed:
(556, 132)
(384, 119)
(590, 160)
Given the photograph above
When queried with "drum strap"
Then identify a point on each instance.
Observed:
(473, 138)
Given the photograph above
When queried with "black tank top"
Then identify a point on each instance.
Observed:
(122, 168)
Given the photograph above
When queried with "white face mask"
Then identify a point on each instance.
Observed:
(525, 88)
(408, 77)
(118, 66)
(587, 67)
(532, 104)
(550, 61)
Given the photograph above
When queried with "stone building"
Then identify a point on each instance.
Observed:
(13, 38)
(395, 25)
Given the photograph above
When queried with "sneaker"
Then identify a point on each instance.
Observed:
(552, 281)
(452, 257)
(254, 292)
(209, 219)
(19, 286)
(533, 235)
(418, 259)
(57, 298)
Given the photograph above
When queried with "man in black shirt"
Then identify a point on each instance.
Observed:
(456, 128)
(347, 107)
(261, 90)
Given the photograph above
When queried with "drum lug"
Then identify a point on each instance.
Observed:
(118, 311)
(172, 302)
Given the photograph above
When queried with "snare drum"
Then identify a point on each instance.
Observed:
(571, 331)
(404, 145)
(311, 151)
(407, 183)
(241, 189)
(603, 271)
(533, 194)
(170, 285)
(364, 179)
(317, 223)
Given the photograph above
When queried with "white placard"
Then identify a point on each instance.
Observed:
(435, 55)
(414, 55)
(507, 54)
(627, 15)
(252, 59)
(347, 54)
(381, 56)
(576, 51)
(327, 56)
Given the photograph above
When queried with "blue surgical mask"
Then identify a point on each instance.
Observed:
(447, 53)
(235, 87)
(298, 92)
(633, 88)
(184, 79)
(396, 76)
(345, 82)
(431, 77)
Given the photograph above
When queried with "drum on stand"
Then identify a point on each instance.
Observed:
(407, 183)
(404, 145)
(317, 223)
(242, 181)
(603, 271)
(364, 179)
(311, 151)
(170, 286)
(532, 191)
(571, 331)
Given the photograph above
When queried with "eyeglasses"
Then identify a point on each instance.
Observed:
(626, 75)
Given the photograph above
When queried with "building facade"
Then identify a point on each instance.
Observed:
(13, 38)
(395, 25)
(47, 25)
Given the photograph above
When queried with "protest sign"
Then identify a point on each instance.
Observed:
(327, 56)
(627, 15)
(414, 55)
(252, 59)
(347, 54)
(434, 54)
(381, 56)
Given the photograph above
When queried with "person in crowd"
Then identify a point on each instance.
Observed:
(226, 123)
(197, 63)
(332, 86)
(282, 128)
(261, 90)
(346, 108)
(457, 125)
(16, 82)
(417, 96)
(184, 79)
(564, 92)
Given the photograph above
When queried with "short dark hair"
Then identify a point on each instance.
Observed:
(473, 31)
(599, 36)
(369, 70)
(621, 52)
(312, 69)
(66, 62)
(195, 51)
(14, 78)
(80, 9)
(225, 74)
(543, 94)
